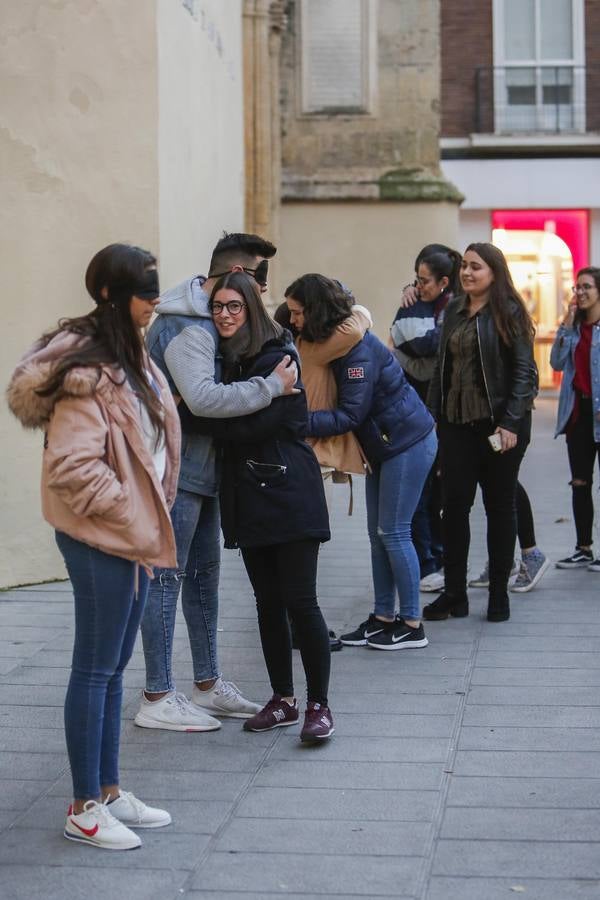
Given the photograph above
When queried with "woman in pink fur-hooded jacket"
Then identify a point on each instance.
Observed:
(109, 477)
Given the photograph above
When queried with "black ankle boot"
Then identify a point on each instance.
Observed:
(446, 606)
(498, 609)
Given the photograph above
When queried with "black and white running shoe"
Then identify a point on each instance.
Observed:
(398, 636)
(360, 635)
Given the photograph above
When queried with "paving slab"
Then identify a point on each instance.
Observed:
(533, 716)
(343, 875)
(16, 794)
(357, 836)
(539, 825)
(39, 882)
(320, 773)
(521, 859)
(525, 792)
(506, 888)
(527, 763)
(333, 804)
(498, 738)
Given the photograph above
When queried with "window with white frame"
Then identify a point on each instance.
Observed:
(539, 65)
(338, 58)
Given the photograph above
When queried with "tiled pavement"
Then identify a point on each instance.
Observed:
(466, 771)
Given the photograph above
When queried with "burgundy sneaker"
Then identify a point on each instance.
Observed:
(276, 713)
(318, 722)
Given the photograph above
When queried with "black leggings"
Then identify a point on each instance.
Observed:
(583, 450)
(284, 579)
(525, 526)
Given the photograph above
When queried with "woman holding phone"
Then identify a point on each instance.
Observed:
(576, 353)
(481, 394)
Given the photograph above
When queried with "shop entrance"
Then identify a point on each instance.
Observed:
(544, 250)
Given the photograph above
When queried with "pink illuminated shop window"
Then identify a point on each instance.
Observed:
(572, 225)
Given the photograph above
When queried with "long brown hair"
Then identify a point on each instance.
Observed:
(113, 339)
(511, 323)
(259, 326)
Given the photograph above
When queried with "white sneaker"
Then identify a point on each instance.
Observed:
(432, 583)
(97, 826)
(132, 812)
(174, 712)
(224, 699)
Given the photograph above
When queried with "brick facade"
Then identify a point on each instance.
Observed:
(466, 31)
(467, 44)
(592, 61)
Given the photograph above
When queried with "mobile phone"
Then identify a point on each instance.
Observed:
(495, 442)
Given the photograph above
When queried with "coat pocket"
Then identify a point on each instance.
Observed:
(266, 474)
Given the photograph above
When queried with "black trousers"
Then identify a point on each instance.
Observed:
(525, 524)
(284, 579)
(583, 450)
(466, 461)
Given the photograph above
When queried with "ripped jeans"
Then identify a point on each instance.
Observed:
(196, 525)
(393, 490)
(583, 450)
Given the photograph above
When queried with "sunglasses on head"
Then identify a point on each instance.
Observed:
(260, 273)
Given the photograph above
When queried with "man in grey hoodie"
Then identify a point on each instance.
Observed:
(183, 342)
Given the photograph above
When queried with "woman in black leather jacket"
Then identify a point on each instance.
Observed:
(481, 395)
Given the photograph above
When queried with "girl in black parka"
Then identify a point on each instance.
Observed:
(272, 506)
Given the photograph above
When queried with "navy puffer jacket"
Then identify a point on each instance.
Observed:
(375, 401)
(271, 484)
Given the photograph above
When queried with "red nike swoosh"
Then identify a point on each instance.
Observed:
(90, 832)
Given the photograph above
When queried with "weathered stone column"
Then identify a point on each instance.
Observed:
(263, 21)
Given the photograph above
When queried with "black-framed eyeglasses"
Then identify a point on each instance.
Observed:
(581, 288)
(234, 307)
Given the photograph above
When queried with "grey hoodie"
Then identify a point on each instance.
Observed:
(183, 342)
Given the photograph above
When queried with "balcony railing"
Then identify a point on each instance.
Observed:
(537, 99)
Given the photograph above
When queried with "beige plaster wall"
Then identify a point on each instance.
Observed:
(371, 247)
(78, 169)
(200, 138)
(119, 121)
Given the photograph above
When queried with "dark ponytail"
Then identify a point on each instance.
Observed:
(443, 262)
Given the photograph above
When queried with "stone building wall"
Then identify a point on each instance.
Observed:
(119, 121)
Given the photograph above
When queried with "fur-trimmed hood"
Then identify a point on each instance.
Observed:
(33, 371)
(99, 482)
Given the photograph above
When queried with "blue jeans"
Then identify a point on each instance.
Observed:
(393, 490)
(107, 617)
(196, 524)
